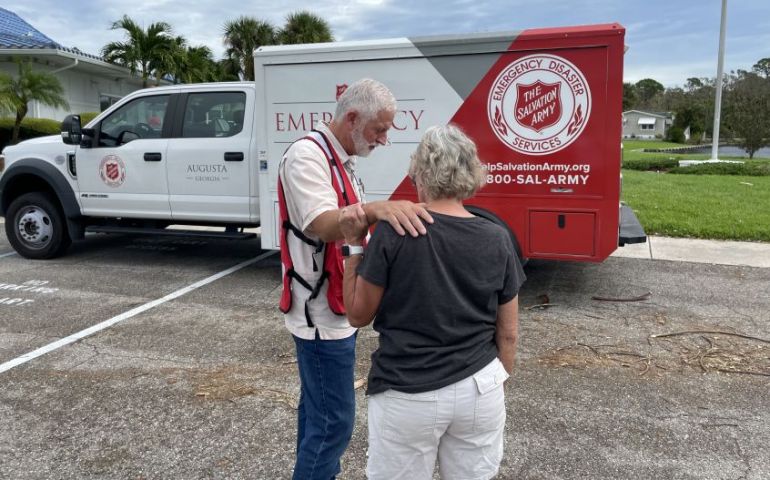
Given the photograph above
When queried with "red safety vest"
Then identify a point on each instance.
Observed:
(333, 267)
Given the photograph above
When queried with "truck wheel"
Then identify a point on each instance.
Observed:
(35, 226)
(480, 212)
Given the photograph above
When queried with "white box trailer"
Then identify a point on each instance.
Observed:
(544, 107)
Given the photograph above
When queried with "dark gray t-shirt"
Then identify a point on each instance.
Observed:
(438, 313)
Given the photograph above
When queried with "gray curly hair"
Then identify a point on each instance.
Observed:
(446, 164)
(367, 97)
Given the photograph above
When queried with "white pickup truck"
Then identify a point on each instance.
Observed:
(544, 107)
(168, 155)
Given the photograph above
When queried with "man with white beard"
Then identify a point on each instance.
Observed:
(316, 182)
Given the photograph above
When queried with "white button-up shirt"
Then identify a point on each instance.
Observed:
(308, 190)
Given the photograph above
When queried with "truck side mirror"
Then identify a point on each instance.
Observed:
(71, 130)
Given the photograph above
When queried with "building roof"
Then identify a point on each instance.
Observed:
(653, 114)
(16, 33)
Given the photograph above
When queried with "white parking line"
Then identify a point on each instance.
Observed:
(123, 316)
(7, 254)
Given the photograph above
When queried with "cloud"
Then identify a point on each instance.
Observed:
(665, 36)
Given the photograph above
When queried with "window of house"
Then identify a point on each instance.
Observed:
(646, 123)
(215, 114)
(107, 100)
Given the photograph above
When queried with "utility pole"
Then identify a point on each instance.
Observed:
(718, 101)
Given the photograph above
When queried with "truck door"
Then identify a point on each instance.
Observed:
(208, 157)
(123, 173)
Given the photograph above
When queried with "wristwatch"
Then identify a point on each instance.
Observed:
(348, 250)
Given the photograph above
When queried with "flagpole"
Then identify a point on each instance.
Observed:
(720, 73)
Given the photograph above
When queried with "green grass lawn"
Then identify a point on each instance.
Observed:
(640, 155)
(700, 206)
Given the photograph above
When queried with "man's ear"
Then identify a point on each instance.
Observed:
(351, 118)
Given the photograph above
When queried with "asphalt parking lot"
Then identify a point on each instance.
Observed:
(202, 383)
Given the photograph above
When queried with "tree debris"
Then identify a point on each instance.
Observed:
(639, 298)
(712, 332)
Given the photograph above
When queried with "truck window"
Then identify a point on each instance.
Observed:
(139, 118)
(215, 114)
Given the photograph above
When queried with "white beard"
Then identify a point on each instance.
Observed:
(361, 146)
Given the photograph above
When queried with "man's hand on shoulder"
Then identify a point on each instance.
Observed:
(403, 215)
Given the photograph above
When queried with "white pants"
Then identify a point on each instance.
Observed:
(461, 424)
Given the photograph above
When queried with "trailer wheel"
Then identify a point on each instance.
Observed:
(35, 226)
(480, 212)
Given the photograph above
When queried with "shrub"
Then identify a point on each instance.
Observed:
(30, 128)
(86, 117)
(749, 169)
(651, 164)
(676, 135)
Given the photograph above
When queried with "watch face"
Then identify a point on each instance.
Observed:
(348, 250)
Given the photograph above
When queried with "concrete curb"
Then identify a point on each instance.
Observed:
(717, 252)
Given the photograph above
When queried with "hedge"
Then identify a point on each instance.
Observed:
(651, 164)
(750, 168)
(35, 127)
(86, 117)
(754, 169)
(30, 128)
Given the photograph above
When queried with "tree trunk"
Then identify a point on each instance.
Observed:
(20, 114)
(15, 135)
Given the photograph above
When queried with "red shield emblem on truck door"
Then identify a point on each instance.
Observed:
(538, 105)
(112, 170)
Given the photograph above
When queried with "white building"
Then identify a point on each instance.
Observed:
(90, 84)
(646, 125)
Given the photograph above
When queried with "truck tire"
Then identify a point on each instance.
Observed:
(35, 226)
(480, 212)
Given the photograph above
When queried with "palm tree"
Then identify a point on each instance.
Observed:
(16, 93)
(142, 48)
(305, 27)
(196, 64)
(242, 37)
(170, 60)
(226, 70)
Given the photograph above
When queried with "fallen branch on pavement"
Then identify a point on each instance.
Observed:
(712, 332)
(644, 296)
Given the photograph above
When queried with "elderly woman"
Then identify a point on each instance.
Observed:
(446, 307)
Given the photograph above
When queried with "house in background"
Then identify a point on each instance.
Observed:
(646, 125)
(90, 84)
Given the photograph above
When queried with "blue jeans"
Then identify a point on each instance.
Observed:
(327, 405)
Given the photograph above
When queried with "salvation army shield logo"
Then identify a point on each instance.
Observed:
(112, 170)
(539, 104)
(340, 90)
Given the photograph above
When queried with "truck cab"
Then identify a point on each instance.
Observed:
(160, 156)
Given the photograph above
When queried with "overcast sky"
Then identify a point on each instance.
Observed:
(669, 40)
